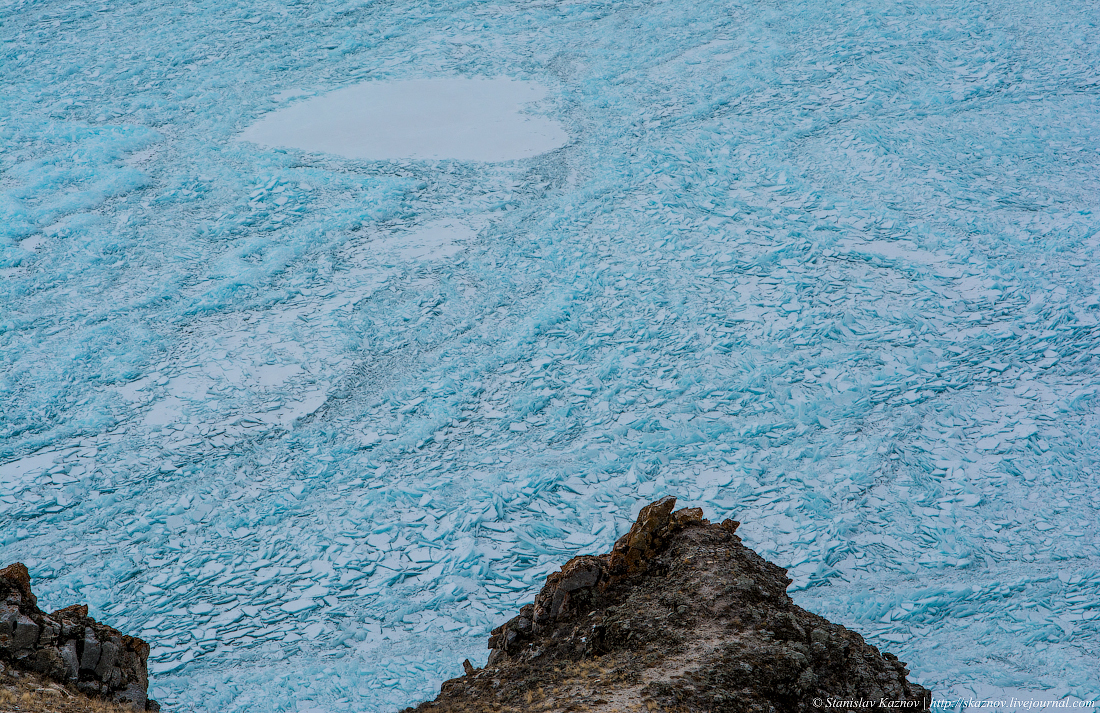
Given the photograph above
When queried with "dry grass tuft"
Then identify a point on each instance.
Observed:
(28, 693)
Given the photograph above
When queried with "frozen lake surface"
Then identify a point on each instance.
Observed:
(453, 118)
(313, 424)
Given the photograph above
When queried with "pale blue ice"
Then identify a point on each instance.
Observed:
(313, 425)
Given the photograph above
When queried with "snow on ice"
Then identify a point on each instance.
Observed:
(457, 118)
(313, 423)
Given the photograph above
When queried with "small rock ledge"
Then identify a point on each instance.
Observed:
(70, 647)
(678, 617)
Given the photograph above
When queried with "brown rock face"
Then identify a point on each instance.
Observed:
(70, 647)
(19, 581)
(679, 617)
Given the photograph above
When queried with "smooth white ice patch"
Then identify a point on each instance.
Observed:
(899, 250)
(16, 472)
(435, 240)
(464, 119)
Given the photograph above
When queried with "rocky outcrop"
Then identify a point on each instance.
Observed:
(679, 616)
(70, 647)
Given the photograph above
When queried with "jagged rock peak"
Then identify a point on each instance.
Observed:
(680, 616)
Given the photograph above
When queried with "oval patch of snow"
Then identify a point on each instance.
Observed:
(455, 118)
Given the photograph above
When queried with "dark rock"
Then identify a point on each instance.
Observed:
(71, 618)
(687, 516)
(72, 664)
(68, 646)
(584, 572)
(25, 633)
(18, 583)
(8, 614)
(646, 536)
(89, 659)
(785, 626)
(48, 661)
(50, 631)
(134, 696)
(680, 616)
(90, 687)
(107, 655)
